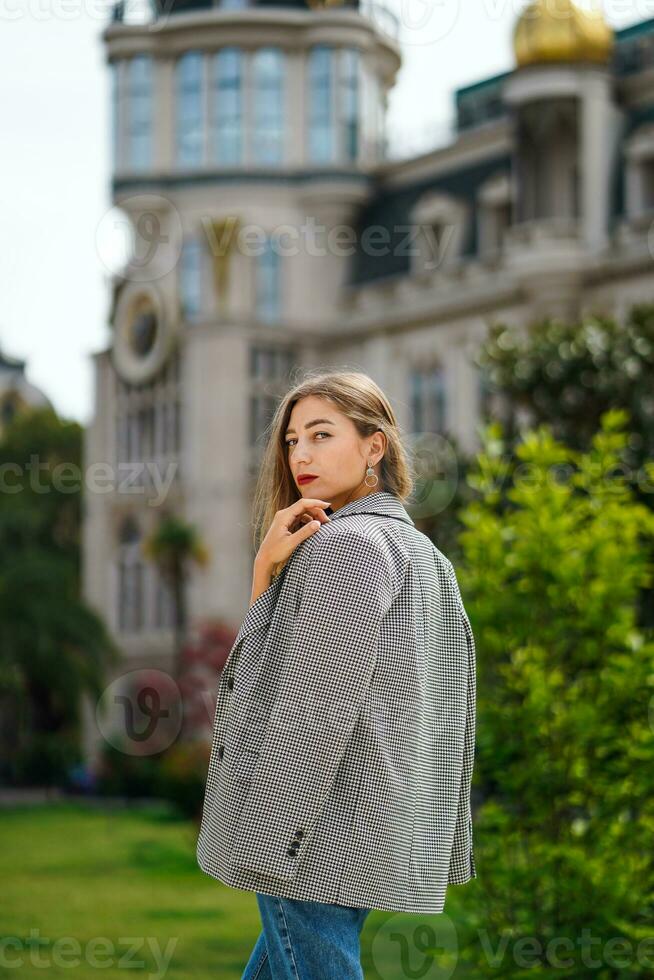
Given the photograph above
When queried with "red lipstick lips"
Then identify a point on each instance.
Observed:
(306, 478)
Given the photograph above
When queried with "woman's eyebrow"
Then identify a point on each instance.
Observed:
(307, 425)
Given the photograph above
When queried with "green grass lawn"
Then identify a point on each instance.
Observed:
(117, 892)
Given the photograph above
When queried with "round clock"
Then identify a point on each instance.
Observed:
(143, 338)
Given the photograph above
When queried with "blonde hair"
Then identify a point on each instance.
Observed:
(361, 400)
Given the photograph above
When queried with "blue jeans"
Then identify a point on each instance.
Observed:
(306, 941)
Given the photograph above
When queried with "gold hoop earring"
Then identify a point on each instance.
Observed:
(371, 473)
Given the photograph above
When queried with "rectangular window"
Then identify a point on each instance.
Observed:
(349, 102)
(130, 595)
(270, 363)
(321, 122)
(268, 93)
(262, 409)
(227, 106)
(428, 399)
(191, 277)
(270, 370)
(189, 124)
(139, 116)
(268, 283)
(163, 609)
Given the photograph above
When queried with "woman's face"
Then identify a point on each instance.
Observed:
(320, 440)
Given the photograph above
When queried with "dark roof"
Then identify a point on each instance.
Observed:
(12, 363)
(390, 210)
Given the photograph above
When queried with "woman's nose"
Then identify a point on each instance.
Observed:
(301, 454)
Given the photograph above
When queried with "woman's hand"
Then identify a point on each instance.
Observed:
(290, 526)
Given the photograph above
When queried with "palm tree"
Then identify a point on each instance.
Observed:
(172, 546)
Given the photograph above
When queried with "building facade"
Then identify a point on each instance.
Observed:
(273, 231)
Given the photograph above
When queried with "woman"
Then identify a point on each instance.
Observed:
(343, 742)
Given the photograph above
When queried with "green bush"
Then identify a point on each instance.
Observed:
(555, 551)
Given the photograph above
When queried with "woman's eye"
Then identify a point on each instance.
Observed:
(290, 442)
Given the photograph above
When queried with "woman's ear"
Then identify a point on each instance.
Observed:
(378, 446)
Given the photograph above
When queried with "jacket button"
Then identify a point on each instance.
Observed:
(299, 833)
(230, 683)
(292, 851)
(221, 751)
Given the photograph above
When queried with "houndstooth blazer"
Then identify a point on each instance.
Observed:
(344, 728)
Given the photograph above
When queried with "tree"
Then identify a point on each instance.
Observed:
(567, 375)
(556, 546)
(53, 647)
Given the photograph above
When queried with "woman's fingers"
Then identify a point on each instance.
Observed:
(291, 526)
(306, 531)
(305, 505)
(316, 514)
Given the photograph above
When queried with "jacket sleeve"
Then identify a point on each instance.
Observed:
(462, 859)
(348, 591)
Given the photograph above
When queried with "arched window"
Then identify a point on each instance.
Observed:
(227, 106)
(494, 213)
(268, 80)
(189, 108)
(139, 112)
(320, 123)
(441, 222)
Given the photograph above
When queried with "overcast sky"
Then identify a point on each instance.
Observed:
(54, 128)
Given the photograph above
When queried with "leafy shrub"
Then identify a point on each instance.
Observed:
(556, 548)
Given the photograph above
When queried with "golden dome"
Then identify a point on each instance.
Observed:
(558, 30)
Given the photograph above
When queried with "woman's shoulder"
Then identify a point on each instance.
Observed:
(358, 540)
(366, 527)
(347, 533)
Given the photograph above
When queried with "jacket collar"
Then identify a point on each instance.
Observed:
(381, 502)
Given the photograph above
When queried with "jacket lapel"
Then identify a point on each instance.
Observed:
(261, 610)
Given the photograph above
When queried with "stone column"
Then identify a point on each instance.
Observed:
(596, 143)
(164, 94)
(295, 108)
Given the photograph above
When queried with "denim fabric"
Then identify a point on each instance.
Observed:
(306, 941)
